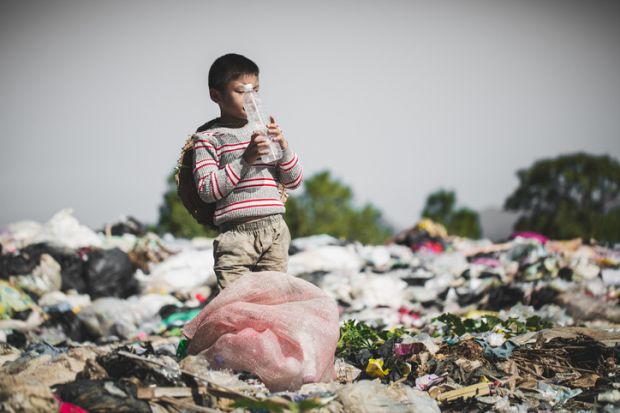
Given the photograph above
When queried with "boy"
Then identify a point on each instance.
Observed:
(228, 171)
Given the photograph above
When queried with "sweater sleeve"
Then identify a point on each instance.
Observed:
(212, 182)
(290, 169)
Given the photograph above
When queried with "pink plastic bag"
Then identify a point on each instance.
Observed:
(281, 328)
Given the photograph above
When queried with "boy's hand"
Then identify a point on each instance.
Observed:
(276, 133)
(259, 146)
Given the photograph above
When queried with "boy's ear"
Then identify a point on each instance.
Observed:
(215, 95)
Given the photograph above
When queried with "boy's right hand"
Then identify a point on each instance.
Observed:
(259, 146)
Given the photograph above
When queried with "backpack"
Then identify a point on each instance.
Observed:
(186, 186)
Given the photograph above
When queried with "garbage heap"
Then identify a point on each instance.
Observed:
(92, 321)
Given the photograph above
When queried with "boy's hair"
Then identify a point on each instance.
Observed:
(230, 67)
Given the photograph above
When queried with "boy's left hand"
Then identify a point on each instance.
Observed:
(276, 133)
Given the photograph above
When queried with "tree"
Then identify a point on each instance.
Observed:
(440, 207)
(175, 219)
(326, 207)
(576, 195)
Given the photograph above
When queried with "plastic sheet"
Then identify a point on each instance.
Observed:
(281, 328)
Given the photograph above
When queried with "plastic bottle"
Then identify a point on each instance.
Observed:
(257, 117)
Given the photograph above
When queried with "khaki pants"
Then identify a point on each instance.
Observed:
(260, 245)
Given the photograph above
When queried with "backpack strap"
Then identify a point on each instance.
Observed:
(207, 125)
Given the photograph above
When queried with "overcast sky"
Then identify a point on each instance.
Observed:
(396, 98)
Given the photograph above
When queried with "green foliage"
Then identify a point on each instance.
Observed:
(440, 207)
(175, 219)
(326, 207)
(571, 196)
(357, 335)
(454, 325)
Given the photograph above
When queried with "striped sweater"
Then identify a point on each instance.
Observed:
(240, 190)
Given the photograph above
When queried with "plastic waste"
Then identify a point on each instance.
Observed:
(502, 352)
(377, 255)
(424, 339)
(612, 396)
(329, 258)
(312, 241)
(254, 325)
(124, 318)
(182, 272)
(18, 235)
(375, 369)
(57, 298)
(64, 230)
(374, 290)
(110, 273)
(556, 395)
(611, 276)
(126, 225)
(200, 366)
(257, 117)
(13, 300)
(43, 279)
(425, 382)
(367, 396)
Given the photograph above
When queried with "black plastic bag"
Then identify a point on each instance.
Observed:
(110, 273)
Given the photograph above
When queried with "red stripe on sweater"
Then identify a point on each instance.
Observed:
(292, 159)
(208, 142)
(295, 182)
(246, 207)
(201, 183)
(205, 146)
(256, 186)
(232, 150)
(233, 172)
(206, 160)
(257, 179)
(291, 167)
(217, 185)
(248, 200)
(232, 144)
(202, 166)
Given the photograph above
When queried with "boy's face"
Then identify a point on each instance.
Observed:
(230, 99)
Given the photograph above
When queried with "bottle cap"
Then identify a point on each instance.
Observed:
(248, 87)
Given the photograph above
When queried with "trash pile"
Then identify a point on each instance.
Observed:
(100, 321)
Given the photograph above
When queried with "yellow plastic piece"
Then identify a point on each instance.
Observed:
(374, 369)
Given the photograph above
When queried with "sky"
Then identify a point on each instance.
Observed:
(396, 98)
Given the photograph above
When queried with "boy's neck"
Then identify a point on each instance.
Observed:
(232, 122)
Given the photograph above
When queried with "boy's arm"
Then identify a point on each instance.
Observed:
(212, 182)
(290, 169)
(289, 166)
